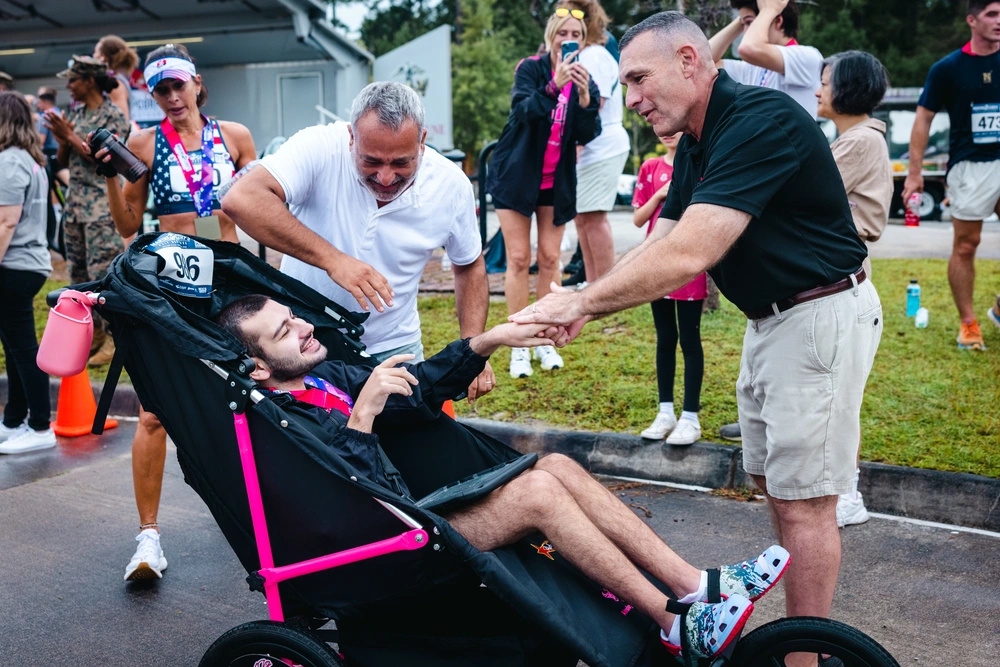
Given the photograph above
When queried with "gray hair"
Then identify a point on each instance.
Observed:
(394, 103)
(667, 25)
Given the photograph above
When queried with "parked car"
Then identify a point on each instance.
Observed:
(626, 186)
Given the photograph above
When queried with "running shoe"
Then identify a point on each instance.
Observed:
(664, 423)
(970, 337)
(548, 356)
(731, 432)
(993, 314)
(29, 441)
(711, 627)
(754, 578)
(6, 432)
(148, 562)
(686, 433)
(851, 510)
(520, 362)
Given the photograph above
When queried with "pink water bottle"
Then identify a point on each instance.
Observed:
(912, 218)
(65, 344)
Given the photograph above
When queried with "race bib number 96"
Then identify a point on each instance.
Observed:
(986, 123)
(188, 265)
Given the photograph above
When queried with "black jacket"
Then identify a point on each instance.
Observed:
(515, 174)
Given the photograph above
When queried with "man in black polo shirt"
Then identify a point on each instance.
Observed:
(757, 201)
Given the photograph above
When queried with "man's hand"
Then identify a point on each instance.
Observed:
(386, 379)
(772, 6)
(362, 281)
(561, 308)
(511, 335)
(483, 384)
(914, 183)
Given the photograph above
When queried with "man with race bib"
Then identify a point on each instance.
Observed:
(966, 84)
(190, 157)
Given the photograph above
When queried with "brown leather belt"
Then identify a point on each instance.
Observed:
(808, 295)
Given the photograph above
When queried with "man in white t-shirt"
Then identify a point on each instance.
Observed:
(367, 207)
(770, 55)
(599, 165)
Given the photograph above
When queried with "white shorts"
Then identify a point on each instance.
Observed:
(802, 379)
(597, 184)
(974, 190)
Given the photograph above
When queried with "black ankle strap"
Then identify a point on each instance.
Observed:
(681, 609)
(714, 591)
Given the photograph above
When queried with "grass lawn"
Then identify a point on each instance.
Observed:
(927, 403)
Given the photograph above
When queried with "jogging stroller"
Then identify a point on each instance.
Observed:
(323, 542)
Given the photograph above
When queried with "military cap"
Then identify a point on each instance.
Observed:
(84, 66)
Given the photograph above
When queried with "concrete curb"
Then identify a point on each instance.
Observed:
(931, 495)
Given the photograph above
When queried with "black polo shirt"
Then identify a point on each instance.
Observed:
(762, 154)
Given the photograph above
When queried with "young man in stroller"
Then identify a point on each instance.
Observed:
(590, 527)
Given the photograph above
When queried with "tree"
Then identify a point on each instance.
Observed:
(482, 66)
(385, 28)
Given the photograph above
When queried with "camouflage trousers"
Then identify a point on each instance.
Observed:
(90, 247)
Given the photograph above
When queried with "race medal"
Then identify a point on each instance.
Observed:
(188, 265)
(208, 227)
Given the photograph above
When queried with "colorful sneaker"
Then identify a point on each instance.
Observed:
(148, 562)
(993, 314)
(520, 362)
(711, 627)
(851, 510)
(548, 357)
(6, 433)
(970, 337)
(754, 578)
(664, 423)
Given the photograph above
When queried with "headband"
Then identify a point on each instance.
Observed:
(168, 68)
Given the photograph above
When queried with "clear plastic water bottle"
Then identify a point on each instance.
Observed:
(912, 218)
(922, 319)
(912, 298)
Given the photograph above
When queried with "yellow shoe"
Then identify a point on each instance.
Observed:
(970, 337)
(104, 355)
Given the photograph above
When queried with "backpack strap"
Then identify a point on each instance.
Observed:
(114, 372)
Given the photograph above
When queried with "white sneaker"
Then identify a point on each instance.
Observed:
(686, 433)
(580, 285)
(8, 433)
(664, 423)
(29, 441)
(520, 362)
(549, 357)
(850, 510)
(148, 562)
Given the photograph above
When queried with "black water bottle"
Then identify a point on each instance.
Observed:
(123, 160)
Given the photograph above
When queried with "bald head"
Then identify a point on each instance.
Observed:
(666, 63)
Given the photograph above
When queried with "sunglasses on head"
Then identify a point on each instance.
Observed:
(563, 12)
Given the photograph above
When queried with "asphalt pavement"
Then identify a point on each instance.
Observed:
(67, 521)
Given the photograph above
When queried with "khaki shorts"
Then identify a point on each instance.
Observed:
(802, 378)
(597, 184)
(974, 190)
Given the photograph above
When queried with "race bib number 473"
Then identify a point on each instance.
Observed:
(986, 123)
(188, 265)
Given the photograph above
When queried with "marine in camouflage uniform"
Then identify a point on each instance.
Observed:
(91, 238)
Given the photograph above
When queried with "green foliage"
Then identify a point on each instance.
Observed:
(482, 76)
(386, 28)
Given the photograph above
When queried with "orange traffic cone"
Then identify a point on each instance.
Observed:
(448, 408)
(75, 415)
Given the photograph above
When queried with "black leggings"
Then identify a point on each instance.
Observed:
(688, 322)
(27, 386)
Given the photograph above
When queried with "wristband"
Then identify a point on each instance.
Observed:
(551, 90)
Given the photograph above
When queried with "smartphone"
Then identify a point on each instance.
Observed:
(568, 48)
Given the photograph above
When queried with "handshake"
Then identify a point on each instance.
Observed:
(561, 315)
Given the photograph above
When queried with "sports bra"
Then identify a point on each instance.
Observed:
(170, 189)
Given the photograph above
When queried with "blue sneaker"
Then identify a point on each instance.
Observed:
(710, 628)
(754, 578)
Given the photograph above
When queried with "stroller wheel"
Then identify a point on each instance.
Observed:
(769, 644)
(269, 644)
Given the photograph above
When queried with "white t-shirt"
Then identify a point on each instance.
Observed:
(324, 191)
(801, 79)
(613, 139)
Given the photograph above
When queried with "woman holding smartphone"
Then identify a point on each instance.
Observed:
(553, 108)
(189, 158)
